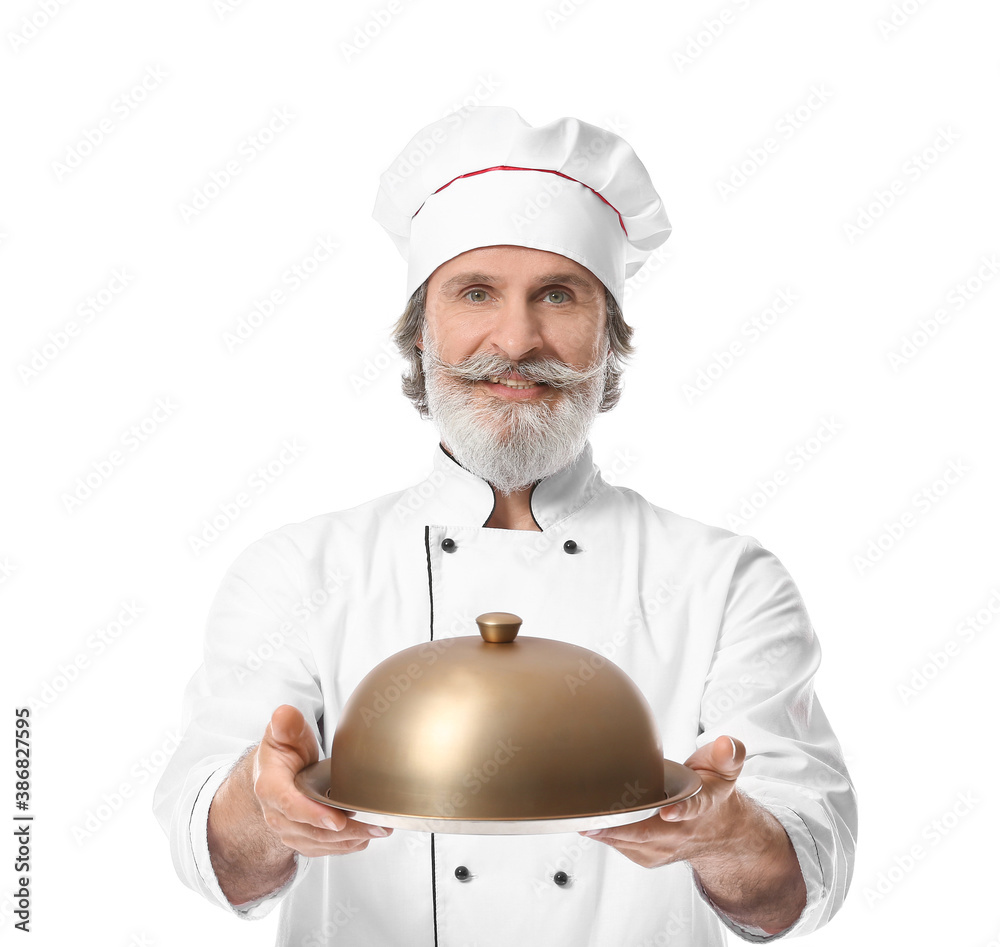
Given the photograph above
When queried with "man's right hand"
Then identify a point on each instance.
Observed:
(258, 819)
(297, 821)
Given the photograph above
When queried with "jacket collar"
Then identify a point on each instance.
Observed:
(467, 500)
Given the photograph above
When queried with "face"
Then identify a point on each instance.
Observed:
(515, 354)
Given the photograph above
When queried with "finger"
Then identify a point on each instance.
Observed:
(276, 791)
(352, 832)
(723, 757)
(288, 747)
(728, 755)
(289, 734)
(335, 843)
(311, 840)
(634, 833)
(314, 849)
(719, 764)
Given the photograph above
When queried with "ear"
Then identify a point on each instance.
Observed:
(420, 342)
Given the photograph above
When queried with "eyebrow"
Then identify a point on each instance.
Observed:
(464, 279)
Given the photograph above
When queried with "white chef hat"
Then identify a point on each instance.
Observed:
(488, 178)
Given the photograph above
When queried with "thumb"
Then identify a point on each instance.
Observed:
(288, 732)
(724, 757)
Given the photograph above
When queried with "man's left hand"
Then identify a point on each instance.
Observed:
(697, 826)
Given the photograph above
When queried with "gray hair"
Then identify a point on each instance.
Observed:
(412, 322)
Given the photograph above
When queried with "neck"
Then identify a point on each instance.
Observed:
(512, 511)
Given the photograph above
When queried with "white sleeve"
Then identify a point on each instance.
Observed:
(255, 659)
(760, 690)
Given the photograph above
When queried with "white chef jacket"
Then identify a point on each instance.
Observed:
(707, 623)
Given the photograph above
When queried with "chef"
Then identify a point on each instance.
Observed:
(518, 241)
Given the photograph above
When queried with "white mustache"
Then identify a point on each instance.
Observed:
(486, 365)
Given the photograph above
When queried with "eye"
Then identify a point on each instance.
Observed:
(557, 292)
(476, 295)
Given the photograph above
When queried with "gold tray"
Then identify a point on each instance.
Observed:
(679, 783)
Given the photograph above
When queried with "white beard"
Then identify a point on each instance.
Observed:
(512, 444)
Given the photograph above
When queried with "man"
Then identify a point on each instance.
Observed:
(518, 241)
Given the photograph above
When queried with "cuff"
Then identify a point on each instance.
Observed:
(249, 910)
(807, 853)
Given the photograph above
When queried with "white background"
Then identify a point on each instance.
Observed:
(317, 371)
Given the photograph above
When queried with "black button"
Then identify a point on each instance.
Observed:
(462, 873)
(569, 546)
(448, 545)
(561, 878)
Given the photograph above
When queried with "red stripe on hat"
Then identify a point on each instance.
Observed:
(507, 167)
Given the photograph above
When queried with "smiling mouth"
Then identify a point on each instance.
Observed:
(512, 383)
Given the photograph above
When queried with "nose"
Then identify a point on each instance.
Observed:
(515, 331)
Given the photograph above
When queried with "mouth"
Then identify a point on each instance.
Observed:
(513, 388)
(517, 384)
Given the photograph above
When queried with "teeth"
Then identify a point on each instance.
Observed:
(513, 384)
